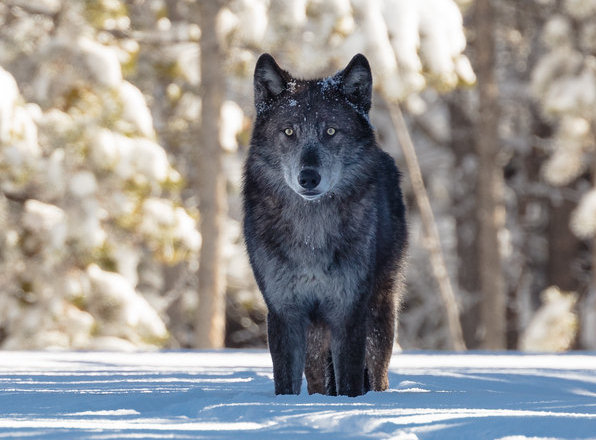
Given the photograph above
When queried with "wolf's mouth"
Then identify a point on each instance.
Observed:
(311, 195)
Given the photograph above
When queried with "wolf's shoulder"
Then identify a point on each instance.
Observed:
(387, 168)
(389, 178)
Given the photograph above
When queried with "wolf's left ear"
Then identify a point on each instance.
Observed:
(269, 81)
(356, 82)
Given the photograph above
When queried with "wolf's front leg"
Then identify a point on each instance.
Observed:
(287, 344)
(348, 341)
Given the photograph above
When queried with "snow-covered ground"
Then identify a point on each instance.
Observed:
(229, 395)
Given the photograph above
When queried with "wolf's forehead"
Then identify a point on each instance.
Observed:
(310, 96)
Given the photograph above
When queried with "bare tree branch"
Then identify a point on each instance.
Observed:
(431, 242)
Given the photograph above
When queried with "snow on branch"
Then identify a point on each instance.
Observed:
(411, 45)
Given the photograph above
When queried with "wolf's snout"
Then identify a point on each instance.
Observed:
(309, 178)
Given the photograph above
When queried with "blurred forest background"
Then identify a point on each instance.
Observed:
(124, 125)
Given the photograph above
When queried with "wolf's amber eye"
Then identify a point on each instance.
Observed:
(289, 132)
(331, 131)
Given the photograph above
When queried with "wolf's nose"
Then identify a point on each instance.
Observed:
(309, 178)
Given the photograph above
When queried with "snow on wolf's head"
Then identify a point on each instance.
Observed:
(314, 133)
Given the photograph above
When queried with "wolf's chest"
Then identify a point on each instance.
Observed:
(312, 230)
(317, 279)
(323, 263)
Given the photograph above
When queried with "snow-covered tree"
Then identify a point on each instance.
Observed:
(411, 45)
(87, 194)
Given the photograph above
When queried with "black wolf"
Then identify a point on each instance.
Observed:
(325, 229)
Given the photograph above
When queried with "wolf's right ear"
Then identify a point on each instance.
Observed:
(356, 82)
(269, 81)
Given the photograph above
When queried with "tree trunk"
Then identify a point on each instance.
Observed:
(490, 206)
(587, 335)
(462, 145)
(211, 186)
(589, 327)
(591, 301)
(563, 247)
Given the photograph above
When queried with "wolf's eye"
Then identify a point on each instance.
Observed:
(289, 132)
(331, 131)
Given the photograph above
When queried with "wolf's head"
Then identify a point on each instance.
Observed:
(313, 132)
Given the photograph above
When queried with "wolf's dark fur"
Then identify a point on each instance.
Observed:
(325, 230)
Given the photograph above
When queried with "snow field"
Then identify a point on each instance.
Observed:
(229, 395)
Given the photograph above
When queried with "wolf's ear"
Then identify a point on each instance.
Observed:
(269, 81)
(356, 82)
